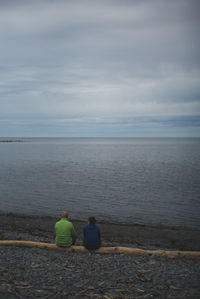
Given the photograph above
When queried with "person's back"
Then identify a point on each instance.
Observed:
(92, 235)
(65, 232)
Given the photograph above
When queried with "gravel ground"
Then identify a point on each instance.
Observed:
(37, 273)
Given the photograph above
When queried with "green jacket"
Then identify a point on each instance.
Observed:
(65, 232)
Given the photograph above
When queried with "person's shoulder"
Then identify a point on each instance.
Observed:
(57, 224)
(69, 222)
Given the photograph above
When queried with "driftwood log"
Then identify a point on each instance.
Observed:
(107, 250)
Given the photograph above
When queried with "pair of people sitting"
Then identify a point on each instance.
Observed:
(66, 234)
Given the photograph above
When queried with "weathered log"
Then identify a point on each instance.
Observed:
(107, 250)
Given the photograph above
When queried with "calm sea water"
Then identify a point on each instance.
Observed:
(143, 181)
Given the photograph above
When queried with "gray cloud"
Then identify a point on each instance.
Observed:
(90, 60)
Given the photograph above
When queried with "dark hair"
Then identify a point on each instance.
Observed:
(92, 220)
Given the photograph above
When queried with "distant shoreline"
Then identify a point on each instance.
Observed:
(21, 139)
(11, 140)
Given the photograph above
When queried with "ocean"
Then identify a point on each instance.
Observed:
(146, 181)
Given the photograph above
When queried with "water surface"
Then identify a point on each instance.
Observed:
(130, 180)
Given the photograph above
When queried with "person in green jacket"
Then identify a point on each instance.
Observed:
(65, 232)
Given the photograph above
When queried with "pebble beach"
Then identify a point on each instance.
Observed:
(41, 273)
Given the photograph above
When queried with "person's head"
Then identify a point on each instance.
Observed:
(91, 220)
(64, 214)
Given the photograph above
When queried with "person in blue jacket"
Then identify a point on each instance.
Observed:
(92, 238)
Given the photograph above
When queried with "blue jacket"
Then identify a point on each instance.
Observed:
(91, 236)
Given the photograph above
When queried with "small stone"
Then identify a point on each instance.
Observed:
(90, 288)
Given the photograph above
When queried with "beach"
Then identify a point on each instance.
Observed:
(31, 272)
(25, 227)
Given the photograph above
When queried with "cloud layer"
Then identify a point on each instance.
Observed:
(99, 68)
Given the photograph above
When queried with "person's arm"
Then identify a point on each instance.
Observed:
(99, 234)
(73, 234)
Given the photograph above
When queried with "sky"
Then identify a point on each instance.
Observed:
(99, 68)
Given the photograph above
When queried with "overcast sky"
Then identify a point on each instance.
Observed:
(100, 68)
